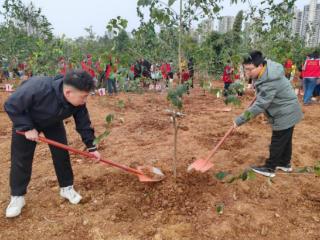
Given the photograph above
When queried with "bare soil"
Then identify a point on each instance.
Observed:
(117, 206)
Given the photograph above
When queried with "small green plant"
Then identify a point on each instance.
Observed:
(109, 119)
(135, 86)
(205, 85)
(232, 99)
(121, 104)
(175, 97)
(235, 89)
(220, 208)
(216, 92)
(245, 175)
(310, 169)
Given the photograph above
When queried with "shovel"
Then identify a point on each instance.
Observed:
(144, 173)
(204, 165)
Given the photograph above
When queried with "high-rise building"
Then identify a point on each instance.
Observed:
(310, 24)
(226, 24)
(296, 21)
(204, 28)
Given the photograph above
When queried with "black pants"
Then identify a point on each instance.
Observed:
(280, 148)
(22, 151)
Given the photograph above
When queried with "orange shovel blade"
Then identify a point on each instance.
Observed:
(200, 165)
(150, 174)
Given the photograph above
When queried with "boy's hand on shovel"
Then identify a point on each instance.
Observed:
(235, 126)
(97, 156)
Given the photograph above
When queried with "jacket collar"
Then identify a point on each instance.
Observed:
(58, 88)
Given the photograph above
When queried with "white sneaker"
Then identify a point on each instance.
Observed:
(70, 194)
(286, 168)
(15, 206)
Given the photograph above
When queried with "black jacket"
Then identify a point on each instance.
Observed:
(39, 103)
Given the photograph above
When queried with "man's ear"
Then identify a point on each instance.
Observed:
(66, 90)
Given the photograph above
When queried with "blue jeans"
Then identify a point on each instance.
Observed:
(112, 86)
(317, 90)
(308, 86)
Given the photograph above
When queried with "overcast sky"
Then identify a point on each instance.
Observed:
(72, 16)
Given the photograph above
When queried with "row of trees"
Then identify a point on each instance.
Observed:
(26, 35)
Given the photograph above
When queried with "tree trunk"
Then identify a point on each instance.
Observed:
(180, 35)
(174, 165)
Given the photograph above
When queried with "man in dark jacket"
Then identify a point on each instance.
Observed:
(278, 101)
(41, 104)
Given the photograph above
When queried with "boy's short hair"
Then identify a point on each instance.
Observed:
(255, 57)
(80, 80)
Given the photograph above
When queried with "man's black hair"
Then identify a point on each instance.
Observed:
(255, 57)
(315, 54)
(80, 80)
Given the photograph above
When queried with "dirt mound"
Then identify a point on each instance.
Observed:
(150, 124)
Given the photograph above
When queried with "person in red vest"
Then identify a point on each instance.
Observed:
(311, 73)
(84, 64)
(227, 77)
(89, 66)
(62, 66)
(288, 68)
(110, 76)
(185, 77)
(163, 70)
(166, 72)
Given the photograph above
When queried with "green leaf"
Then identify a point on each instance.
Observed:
(248, 115)
(98, 139)
(220, 208)
(317, 169)
(221, 175)
(251, 175)
(109, 118)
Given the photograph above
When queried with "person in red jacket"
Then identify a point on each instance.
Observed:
(227, 77)
(288, 67)
(311, 73)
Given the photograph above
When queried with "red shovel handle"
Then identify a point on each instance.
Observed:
(213, 151)
(86, 154)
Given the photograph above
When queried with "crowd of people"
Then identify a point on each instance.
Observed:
(105, 72)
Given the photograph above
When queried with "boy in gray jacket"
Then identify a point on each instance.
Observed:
(277, 100)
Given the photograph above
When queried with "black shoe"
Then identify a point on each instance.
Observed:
(265, 171)
(286, 168)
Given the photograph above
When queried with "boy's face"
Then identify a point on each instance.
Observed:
(251, 71)
(75, 96)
